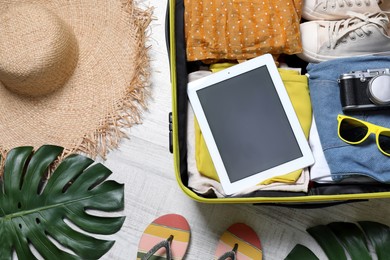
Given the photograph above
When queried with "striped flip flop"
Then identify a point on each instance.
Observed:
(167, 237)
(239, 242)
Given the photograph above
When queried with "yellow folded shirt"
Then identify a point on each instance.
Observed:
(298, 91)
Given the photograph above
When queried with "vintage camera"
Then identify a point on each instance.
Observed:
(365, 90)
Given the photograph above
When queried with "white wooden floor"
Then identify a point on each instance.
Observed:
(143, 163)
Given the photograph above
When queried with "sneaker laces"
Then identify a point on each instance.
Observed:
(341, 3)
(354, 26)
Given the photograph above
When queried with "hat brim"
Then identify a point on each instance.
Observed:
(104, 95)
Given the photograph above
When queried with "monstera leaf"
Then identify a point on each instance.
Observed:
(51, 215)
(339, 239)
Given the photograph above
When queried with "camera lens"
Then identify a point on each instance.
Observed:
(379, 90)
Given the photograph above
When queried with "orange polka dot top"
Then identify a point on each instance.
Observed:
(241, 29)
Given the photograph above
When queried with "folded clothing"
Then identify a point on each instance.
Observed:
(203, 178)
(347, 160)
(241, 29)
(209, 187)
(319, 171)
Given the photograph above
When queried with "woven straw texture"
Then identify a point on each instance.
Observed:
(103, 95)
(39, 51)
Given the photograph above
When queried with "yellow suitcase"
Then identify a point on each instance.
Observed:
(336, 193)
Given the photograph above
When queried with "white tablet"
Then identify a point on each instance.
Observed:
(249, 124)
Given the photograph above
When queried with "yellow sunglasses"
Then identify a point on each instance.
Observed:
(354, 131)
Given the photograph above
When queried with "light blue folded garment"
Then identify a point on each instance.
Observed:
(344, 159)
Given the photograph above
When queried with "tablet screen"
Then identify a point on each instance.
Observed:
(250, 127)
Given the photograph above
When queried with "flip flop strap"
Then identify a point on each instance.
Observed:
(165, 243)
(230, 254)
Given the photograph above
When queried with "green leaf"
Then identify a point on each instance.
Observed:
(300, 252)
(337, 236)
(35, 211)
(379, 236)
(328, 242)
(352, 238)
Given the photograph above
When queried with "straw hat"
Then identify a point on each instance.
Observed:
(73, 73)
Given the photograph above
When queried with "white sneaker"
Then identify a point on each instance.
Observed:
(337, 9)
(364, 34)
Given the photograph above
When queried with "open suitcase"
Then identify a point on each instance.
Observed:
(179, 68)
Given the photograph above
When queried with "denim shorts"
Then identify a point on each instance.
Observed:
(344, 159)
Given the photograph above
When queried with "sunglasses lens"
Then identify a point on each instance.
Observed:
(352, 131)
(384, 141)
